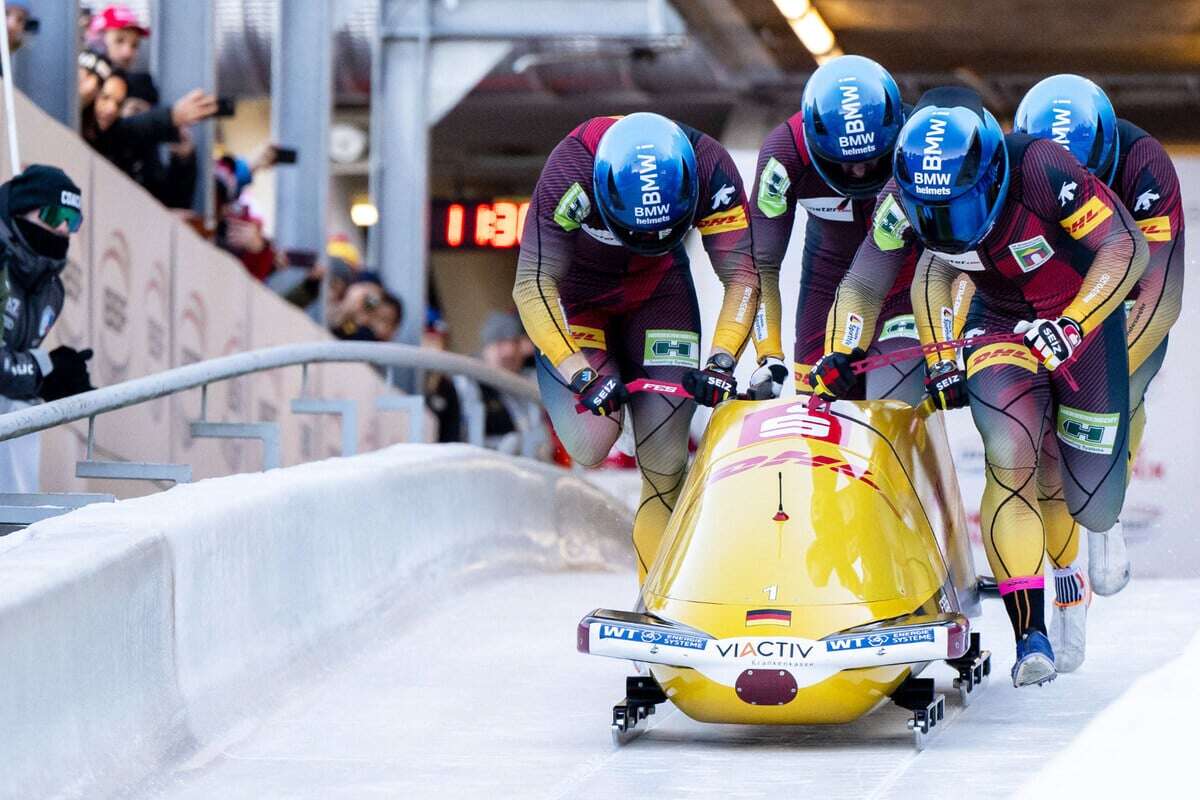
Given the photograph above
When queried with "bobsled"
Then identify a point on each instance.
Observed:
(816, 562)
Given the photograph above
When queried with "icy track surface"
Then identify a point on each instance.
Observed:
(483, 695)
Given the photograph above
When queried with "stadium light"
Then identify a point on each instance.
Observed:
(810, 28)
(364, 214)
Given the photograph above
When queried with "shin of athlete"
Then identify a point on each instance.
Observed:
(1072, 590)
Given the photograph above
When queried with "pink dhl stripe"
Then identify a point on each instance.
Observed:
(1017, 584)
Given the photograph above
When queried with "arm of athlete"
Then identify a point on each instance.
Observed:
(724, 229)
(772, 215)
(1158, 212)
(559, 205)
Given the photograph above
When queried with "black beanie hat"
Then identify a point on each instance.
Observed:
(141, 87)
(40, 185)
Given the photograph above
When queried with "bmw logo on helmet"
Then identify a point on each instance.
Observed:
(645, 183)
(852, 117)
(1072, 111)
(951, 168)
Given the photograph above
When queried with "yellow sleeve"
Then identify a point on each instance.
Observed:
(933, 305)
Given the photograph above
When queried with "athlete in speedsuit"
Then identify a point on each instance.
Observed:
(605, 290)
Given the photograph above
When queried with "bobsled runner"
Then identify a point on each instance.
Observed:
(816, 562)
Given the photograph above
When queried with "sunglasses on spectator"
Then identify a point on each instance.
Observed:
(56, 215)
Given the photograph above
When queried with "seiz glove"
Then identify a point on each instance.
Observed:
(767, 381)
(69, 375)
(833, 375)
(947, 385)
(603, 395)
(715, 383)
(1051, 342)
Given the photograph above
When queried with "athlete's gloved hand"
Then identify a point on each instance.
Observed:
(603, 395)
(69, 375)
(714, 384)
(833, 375)
(767, 381)
(947, 385)
(1051, 342)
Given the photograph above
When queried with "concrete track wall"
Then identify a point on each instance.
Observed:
(136, 632)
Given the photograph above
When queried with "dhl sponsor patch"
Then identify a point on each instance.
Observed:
(1155, 229)
(588, 337)
(733, 219)
(1085, 220)
(992, 355)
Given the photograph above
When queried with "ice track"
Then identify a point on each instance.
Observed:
(483, 695)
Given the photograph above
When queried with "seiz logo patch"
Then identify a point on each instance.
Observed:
(732, 220)
(773, 186)
(573, 208)
(1087, 431)
(1155, 229)
(588, 337)
(668, 348)
(1002, 354)
(793, 419)
(1031, 253)
(1087, 218)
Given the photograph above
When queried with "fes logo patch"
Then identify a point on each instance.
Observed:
(772, 189)
(573, 208)
(1031, 253)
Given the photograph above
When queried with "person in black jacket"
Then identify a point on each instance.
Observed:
(39, 210)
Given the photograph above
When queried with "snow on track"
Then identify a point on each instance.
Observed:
(483, 695)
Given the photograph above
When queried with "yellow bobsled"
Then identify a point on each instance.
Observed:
(816, 562)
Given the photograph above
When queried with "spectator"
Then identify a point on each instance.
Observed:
(171, 175)
(501, 340)
(94, 70)
(239, 231)
(116, 33)
(367, 312)
(39, 210)
(440, 397)
(18, 16)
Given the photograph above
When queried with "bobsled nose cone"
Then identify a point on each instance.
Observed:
(766, 687)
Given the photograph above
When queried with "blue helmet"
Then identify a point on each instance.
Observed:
(951, 167)
(852, 118)
(645, 182)
(1072, 111)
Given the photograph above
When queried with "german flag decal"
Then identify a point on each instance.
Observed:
(1085, 220)
(733, 219)
(769, 616)
(1155, 229)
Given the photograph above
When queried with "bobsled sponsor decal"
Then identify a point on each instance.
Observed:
(793, 419)
(669, 348)
(1087, 218)
(834, 209)
(649, 636)
(901, 327)
(994, 355)
(880, 639)
(1088, 431)
(1155, 229)
(769, 616)
(798, 457)
(777, 650)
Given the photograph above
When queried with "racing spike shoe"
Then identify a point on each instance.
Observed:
(1068, 620)
(1108, 561)
(1035, 660)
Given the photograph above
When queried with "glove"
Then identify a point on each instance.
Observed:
(947, 385)
(1051, 342)
(767, 381)
(833, 375)
(69, 375)
(711, 385)
(603, 395)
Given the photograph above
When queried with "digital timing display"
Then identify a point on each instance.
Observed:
(475, 225)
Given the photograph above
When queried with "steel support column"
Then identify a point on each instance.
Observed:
(301, 106)
(184, 57)
(45, 67)
(399, 244)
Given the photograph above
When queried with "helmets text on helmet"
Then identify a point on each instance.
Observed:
(652, 211)
(857, 140)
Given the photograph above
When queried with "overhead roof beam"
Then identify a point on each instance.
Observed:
(537, 19)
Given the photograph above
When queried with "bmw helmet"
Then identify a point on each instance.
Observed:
(852, 117)
(1072, 111)
(645, 182)
(951, 167)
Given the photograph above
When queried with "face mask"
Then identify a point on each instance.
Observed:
(41, 241)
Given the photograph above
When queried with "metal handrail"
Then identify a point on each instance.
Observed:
(151, 387)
